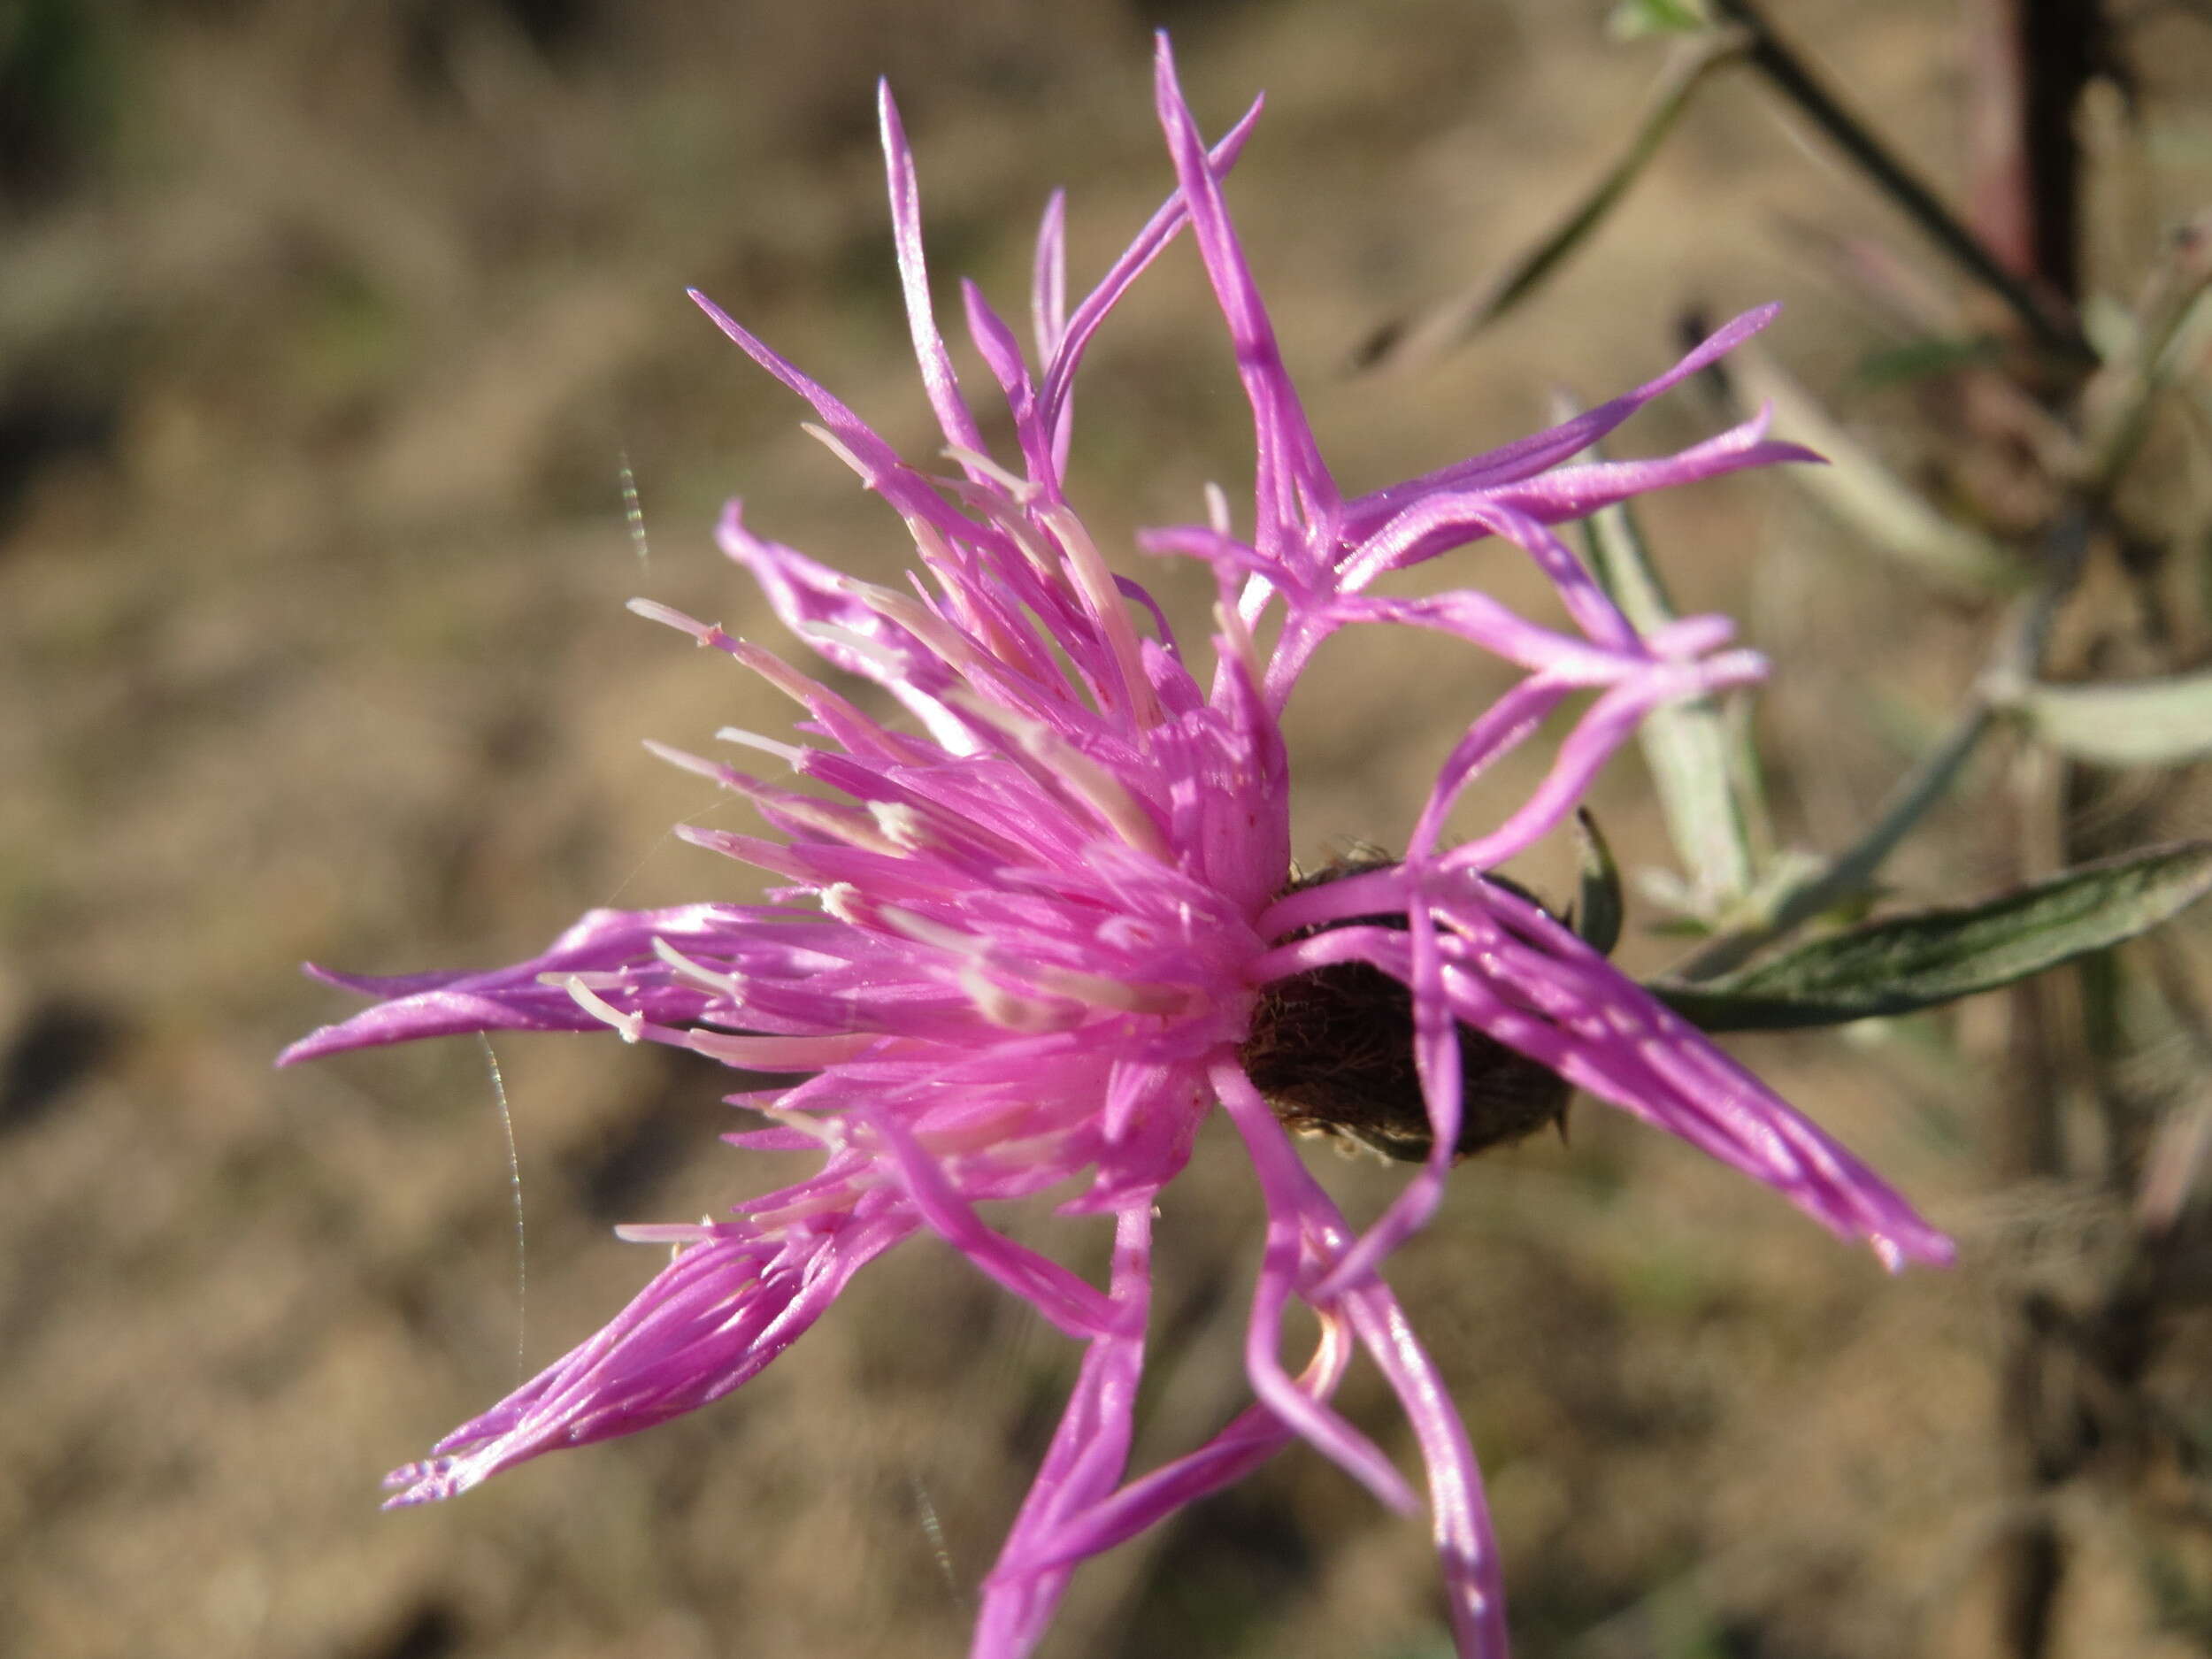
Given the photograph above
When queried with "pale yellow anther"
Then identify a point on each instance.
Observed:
(1013, 483)
(1009, 1010)
(684, 760)
(1083, 777)
(1239, 640)
(777, 672)
(835, 445)
(836, 823)
(791, 754)
(944, 641)
(1095, 583)
(702, 633)
(829, 1131)
(902, 825)
(920, 929)
(1095, 990)
(631, 1025)
(1129, 996)
(729, 985)
(781, 1054)
(676, 1232)
(1216, 509)
(984, 623)
(891, 662)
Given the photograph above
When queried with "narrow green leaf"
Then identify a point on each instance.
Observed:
(1687, 744)
(1896, 521)
(1798, 889)
(1408, 339)
(1914, 962)
(2160, 341)
(2127, 722)
(1633, 18)
(1925, 358)
(1789, 897)
(1598, 910)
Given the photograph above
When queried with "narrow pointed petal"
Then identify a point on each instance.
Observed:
(1294, 485)
(939, 379)
(708, 1323)
(1529, 982)
(1530, 456)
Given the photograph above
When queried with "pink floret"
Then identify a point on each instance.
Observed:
(1023, 928)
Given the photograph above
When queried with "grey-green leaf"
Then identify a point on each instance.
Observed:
(2128, 723)
(1897, 522)
(1685, 744)
(1907, 963)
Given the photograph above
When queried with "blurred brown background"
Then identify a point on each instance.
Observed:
(328, 331)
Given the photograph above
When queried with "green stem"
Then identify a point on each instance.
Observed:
(1796, 82)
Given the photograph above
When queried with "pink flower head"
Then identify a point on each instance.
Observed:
(1026, 947)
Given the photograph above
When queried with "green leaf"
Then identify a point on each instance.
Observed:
(1800, 887)
(1908, 963)
(1598, 910)
(2127, 722)
(1897, 522)
(1925, 358)
(1633, 18)
(1686, 744)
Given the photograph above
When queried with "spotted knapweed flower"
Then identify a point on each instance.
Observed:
(1051, 923)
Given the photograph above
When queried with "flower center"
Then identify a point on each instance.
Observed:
(1332, 1050)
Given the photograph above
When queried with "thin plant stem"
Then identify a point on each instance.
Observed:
(1790, 76)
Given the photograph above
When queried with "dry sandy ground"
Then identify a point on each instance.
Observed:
(312, 640)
